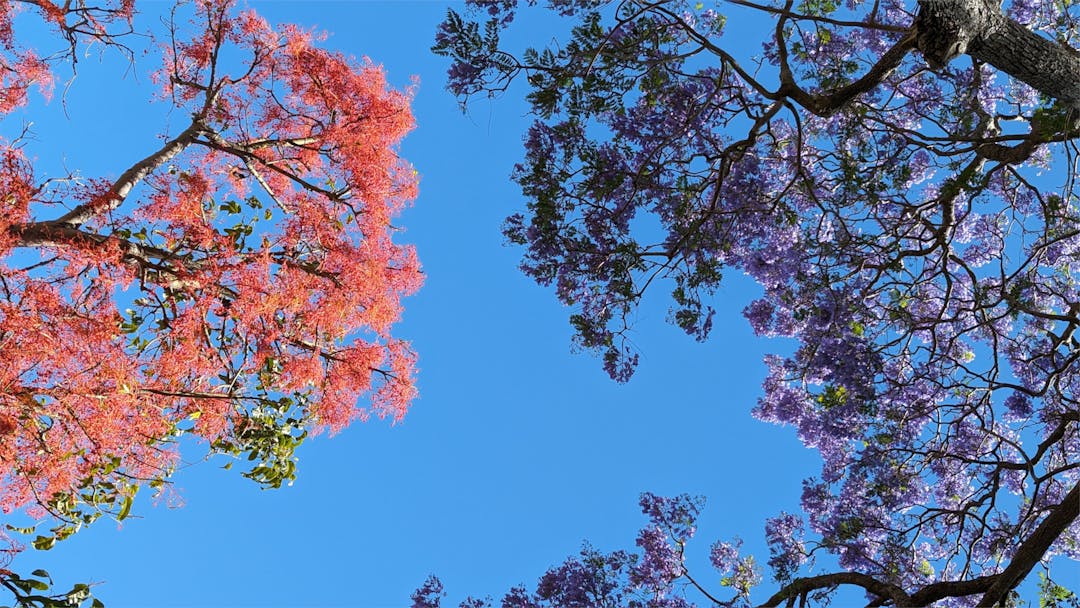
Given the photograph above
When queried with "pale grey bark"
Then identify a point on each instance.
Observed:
(128, 179)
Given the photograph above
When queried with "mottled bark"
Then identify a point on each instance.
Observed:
(949, 28)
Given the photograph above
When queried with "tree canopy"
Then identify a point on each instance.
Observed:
(237, 284)
(900, 179)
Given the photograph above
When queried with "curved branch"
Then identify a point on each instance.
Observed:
(803, 586)
(830, 103)
(1032, 550)
(995, 587)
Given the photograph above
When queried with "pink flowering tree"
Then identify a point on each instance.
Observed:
(238, 283)
(899, 176)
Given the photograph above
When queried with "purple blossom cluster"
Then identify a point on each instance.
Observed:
(657, 578)
(787, 549)
(500, 10)
(901, 224)
(738, 571)
(429, 595)
(661, 563)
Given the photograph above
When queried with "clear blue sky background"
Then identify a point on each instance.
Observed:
(517, 449)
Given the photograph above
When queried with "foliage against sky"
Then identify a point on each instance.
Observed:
(662, 530)
(899, 178)
(238, 284)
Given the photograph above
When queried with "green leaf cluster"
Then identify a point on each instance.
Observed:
(268, 436)
(33, 592)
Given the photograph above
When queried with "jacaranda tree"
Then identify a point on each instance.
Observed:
(238, 283)
(899, 176)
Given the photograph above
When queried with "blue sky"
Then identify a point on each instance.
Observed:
(516, 451)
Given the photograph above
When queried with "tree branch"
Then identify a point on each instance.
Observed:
(948, 29)
(829, 103)
(1032, 550)
(57, 234)
(803, 586)
(128, 179)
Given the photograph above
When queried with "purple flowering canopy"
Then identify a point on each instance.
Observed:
(900, 178)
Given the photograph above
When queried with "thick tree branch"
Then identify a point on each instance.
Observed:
(167, 265)
(128, 179)
(996, 587)
(950, 28)
(937, 591)
(60, 235)
(1032, 550)
(1048, 67)
(803, 586)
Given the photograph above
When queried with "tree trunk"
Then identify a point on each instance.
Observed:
(950, 28)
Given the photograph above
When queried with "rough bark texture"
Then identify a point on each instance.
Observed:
(950, 28)
(1047, 66)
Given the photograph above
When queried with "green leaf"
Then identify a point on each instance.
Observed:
(44, 543)
(125, 508)
(231, 206)
(40, 572)
(28, 530)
